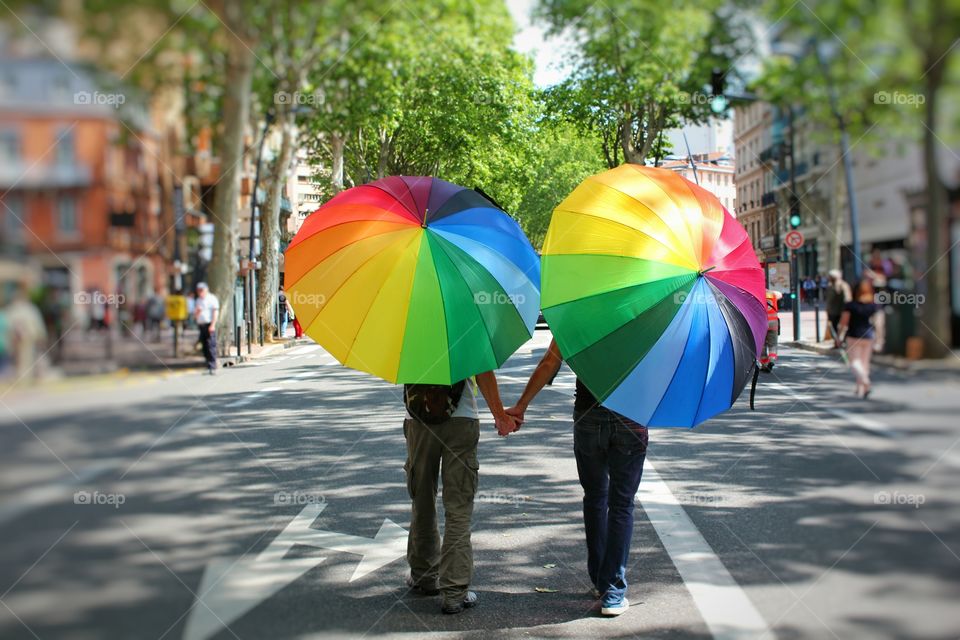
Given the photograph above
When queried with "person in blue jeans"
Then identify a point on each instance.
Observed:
(610, 450)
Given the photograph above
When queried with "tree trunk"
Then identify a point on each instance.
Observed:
(630, 153)
(935, 310)
(336, 163)
(236, 109)
(269, 275)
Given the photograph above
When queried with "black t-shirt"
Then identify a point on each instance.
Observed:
(860, 314)
(282, 303)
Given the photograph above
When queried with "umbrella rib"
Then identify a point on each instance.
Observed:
(665, 222)
(334, 293)
(706, 370)
(373, 302)
(673, 376)
(349, 244)
(618, 223)
(441, 242)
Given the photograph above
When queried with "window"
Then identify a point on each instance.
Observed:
(13, 221)
(65, 151)
(67, 224)
(9, 147)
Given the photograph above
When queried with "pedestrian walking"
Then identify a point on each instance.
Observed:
(206, 312)
(838, 295)
(856, 325)
(768, 356)
(284, 311)
(442, 430)
(156, 314)
(809, 289)
(610, 450)
(27, 332)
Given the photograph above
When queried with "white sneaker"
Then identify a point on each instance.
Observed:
(616, 610)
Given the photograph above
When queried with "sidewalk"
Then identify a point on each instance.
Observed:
(91, 353)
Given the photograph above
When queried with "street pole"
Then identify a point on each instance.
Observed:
(794, 209)
(251, 273)
(847, 165)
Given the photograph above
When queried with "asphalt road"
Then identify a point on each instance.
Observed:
(269, 502)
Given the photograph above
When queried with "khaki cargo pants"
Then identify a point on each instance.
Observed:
(447, 450)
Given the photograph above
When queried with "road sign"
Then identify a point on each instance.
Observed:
(778, 275)
(793, 239)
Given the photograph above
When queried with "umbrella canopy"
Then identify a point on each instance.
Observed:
(414, 279)
(654, 294)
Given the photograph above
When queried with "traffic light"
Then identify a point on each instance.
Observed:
(718, 101)
(795, 212)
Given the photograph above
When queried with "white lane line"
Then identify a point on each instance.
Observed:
(858, 420)
(303, 350)
(725, 607)
(252, 397)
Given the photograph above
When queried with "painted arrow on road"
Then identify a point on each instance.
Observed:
(231, 587)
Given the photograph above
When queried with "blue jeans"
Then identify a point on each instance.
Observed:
(283, 326)
(610, 451)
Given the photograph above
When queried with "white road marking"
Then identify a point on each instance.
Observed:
(865, 423)
(242, 402)
(728, 612)
(304, 349)
(232, 587)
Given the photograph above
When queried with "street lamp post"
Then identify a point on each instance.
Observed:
(251, 271)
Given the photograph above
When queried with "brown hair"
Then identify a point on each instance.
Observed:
(864, 291)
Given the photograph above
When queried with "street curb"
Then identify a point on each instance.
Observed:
(946, 365)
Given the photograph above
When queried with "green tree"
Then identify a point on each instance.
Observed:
(642, 67)
(887, 64)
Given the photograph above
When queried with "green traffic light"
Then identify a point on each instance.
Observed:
(718, 104)
(794, 220)
(793, 296)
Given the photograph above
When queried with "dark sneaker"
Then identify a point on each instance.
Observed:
(429, 589)
(615, 608)
(469, 600)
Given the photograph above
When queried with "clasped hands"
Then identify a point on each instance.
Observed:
(510, 420)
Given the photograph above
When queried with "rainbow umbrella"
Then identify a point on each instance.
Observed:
(414, 279)
(654, 295)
